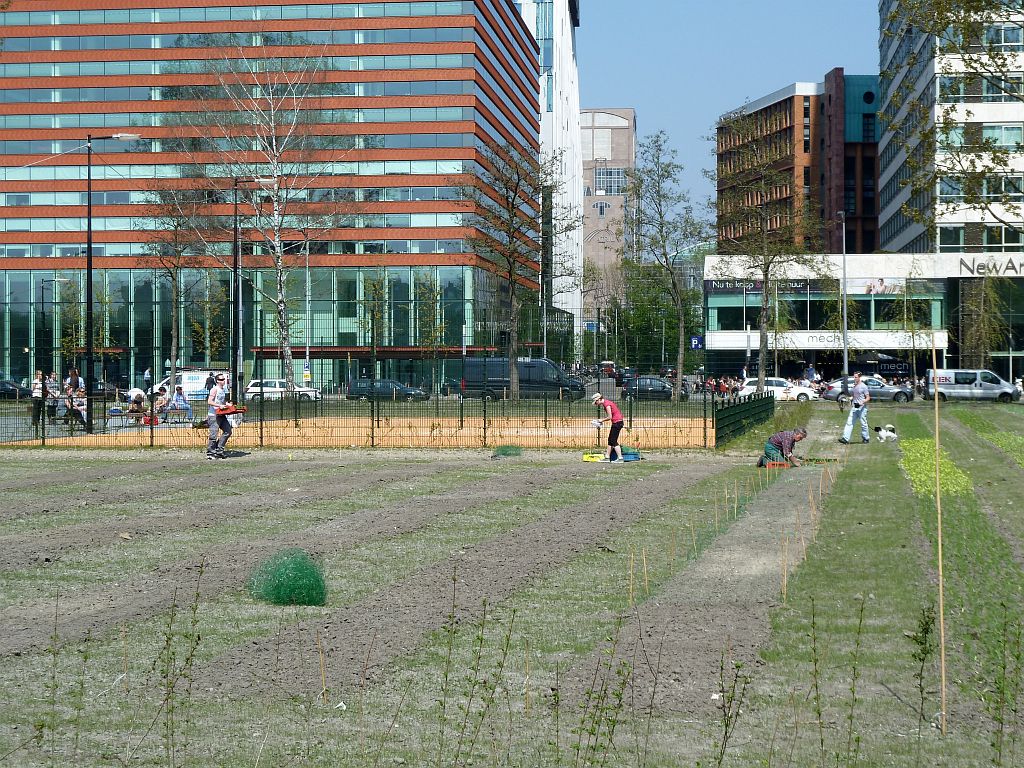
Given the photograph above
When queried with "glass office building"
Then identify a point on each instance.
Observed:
(385, 106)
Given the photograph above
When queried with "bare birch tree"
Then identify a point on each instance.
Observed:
(256, 140)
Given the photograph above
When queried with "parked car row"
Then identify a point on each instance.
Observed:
(782, 389)
(877, 388)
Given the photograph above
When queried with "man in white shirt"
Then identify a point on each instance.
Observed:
(859, 396)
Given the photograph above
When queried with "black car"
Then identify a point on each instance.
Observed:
(384, 389)
(649, 388)
(12, 390)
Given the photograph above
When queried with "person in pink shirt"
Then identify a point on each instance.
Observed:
(613, 415)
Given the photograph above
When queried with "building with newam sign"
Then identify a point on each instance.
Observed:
(898, 306)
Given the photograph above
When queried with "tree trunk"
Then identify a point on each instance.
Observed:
(175, 319)
(677, 387)
(762, 326)
(284, 336)
(513, 344)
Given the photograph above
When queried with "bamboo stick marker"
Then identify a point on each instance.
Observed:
(938, 521)
(526, 682)
(785, 565)
(647, 582)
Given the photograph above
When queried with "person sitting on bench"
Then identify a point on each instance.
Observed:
(136, 408)
(162, 401)
(779, 447)
(180, 403)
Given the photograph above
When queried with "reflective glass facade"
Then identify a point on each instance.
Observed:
(386, 106)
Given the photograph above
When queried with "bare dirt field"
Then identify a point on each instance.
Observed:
(417, 547)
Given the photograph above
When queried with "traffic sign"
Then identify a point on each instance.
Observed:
(696, 342)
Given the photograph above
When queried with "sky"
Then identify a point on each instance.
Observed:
(682, 63)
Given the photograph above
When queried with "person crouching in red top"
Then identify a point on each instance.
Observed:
(613, 415)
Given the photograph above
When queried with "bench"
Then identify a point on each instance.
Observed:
(175, 416)
(124, 418)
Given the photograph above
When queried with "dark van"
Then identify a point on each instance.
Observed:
(487, 377)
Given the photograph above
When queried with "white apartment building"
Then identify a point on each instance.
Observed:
(914, 72)
(554, 24)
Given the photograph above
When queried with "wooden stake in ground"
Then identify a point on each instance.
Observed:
(693, 536)
(526, 681)
(716, 507)
(785, 565)
(938, 522)
(647, 582)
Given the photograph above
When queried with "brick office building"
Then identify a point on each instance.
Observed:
(830, 130)
(406, 93)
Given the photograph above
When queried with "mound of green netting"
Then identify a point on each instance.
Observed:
(507, 450)
(289, 577)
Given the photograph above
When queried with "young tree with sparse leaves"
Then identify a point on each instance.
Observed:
(660, 226)
(507, 209)
(256, 141)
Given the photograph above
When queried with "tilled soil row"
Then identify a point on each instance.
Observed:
(27, 628)
(365, 637)
(48, 546)
(65, 483)
(719, 604)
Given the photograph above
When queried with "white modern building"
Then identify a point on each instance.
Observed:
(914, 72)
(554, 24)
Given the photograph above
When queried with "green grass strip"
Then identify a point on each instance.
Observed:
(1011, 443)
(984, 584)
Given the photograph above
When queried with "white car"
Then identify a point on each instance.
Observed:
(275, 389)
(782, 389)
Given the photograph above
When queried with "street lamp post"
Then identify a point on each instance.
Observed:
(89, 342)
(846, 342)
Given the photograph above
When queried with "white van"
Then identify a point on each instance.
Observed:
(192, 383)
(969, 384)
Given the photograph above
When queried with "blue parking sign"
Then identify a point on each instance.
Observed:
(696, 342)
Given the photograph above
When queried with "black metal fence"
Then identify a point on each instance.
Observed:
(736, 415)
(331, 421)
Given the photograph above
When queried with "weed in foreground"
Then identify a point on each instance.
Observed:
(924, 650)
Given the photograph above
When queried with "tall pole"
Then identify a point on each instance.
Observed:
(88, 286)
(309, 326)
(846, 341)
(41, 363)
(236, 290)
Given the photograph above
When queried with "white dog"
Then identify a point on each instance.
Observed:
(888, 432)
